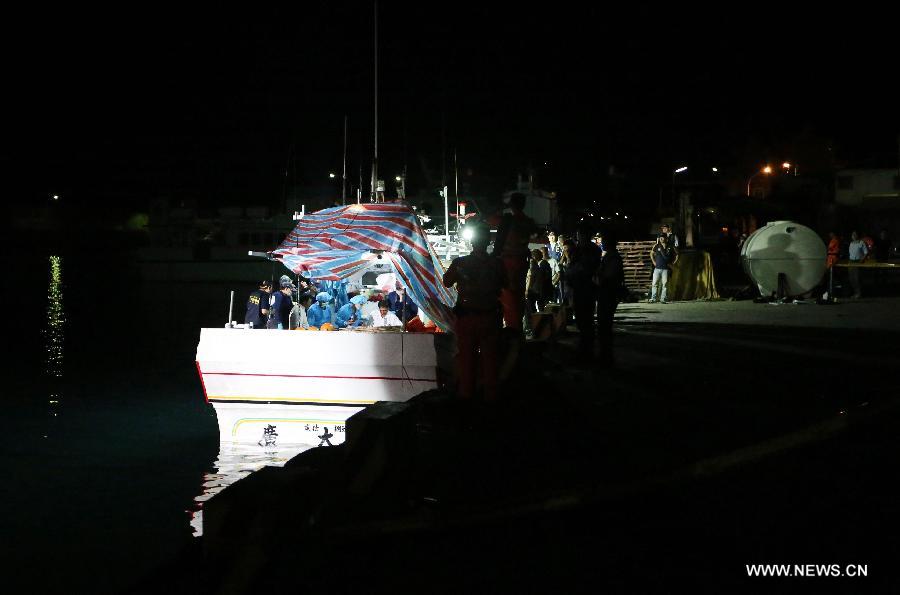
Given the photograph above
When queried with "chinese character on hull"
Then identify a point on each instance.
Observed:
(269, 436)
(325, 437)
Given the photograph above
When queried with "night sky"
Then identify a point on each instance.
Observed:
(120, 107)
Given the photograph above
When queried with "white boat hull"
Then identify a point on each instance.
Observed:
(272, 387)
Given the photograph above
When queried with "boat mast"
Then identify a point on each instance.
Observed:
(375, 160)
(344, 176)
(456, 186)
(444, 178)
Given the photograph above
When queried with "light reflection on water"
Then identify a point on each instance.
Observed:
(236, 461)
(54, 334)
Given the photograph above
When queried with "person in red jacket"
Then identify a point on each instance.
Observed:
(834, 249)
(479, 279)
(514, 231)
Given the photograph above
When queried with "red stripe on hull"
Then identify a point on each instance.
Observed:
(203, 384)
(305, 376)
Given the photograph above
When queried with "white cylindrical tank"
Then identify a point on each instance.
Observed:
(784, 247)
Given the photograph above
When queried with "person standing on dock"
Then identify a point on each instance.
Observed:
(585, 260)
(834, 250)
(479, 279)
(663, 256)
(551, 275)
(514, 231)
(610, 279)
(858, 252)
(258, 305)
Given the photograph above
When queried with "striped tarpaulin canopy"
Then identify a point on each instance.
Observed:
(339, 242)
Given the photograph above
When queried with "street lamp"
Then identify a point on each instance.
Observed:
(766, 170)
(680, 170)
(331, 175)
(401, 189)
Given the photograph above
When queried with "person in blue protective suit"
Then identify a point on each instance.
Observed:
(337, 290)
(322, 311)
(350, 315)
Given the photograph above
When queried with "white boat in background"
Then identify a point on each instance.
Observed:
(449, 248)
(186, 244)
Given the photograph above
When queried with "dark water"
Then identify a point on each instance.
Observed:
(107, 438)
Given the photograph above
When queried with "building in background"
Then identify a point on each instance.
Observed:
(862, 187)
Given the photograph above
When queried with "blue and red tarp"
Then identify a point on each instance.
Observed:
(337, 243)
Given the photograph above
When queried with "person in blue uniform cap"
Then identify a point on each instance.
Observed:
(349, 315)
(322, 311)
(282, 306)
(258, 305)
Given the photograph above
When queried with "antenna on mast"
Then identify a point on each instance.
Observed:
(344, 175)
(375, 159)
(456, 186)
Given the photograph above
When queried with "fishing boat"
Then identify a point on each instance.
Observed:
(276, 387)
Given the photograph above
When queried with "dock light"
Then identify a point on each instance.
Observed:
(56, 197)
(681, 169)
(468, 233)
(715, 170)
(331, 175)
(766, 170)
(397, 178)
(786, 165)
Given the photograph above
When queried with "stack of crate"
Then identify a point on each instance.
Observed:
(637, 265)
